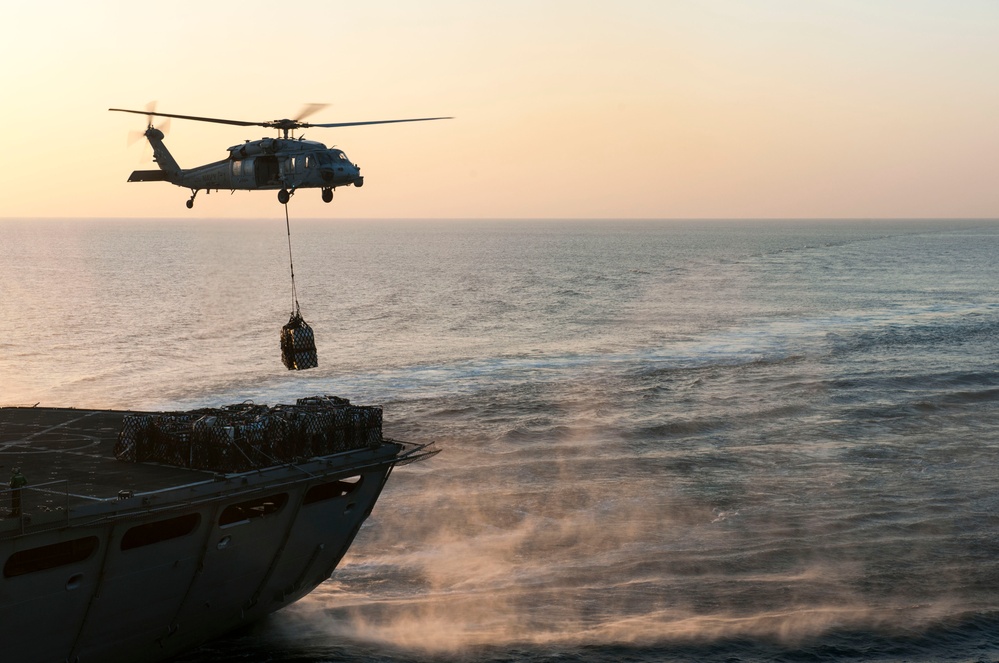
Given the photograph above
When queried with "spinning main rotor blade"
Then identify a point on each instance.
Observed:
(280, 124)
(357, 124)
(238, 123)
(309, 109)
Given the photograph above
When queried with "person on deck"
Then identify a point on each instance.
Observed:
(17, 482)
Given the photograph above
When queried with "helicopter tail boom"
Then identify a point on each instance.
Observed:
(161, 155)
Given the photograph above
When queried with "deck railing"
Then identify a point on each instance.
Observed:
(21, 503)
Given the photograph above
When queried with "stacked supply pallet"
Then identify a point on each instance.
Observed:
(239, 438)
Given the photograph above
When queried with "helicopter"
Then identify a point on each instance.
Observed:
(284, 163)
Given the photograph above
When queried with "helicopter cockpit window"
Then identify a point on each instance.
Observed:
(324, 159)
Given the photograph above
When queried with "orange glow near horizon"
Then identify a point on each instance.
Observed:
(563, 109)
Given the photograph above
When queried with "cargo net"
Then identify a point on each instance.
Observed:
(298, 344)
(244, 437)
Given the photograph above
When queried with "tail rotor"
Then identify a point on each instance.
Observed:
(135, 136)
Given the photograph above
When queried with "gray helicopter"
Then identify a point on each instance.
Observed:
(284, 163)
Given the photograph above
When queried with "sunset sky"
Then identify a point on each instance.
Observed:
(564, 109)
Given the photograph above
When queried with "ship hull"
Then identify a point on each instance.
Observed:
(154, 601)
(146, 576)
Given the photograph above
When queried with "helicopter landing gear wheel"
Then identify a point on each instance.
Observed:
(327, 195)
(190, 201)
(284, 196)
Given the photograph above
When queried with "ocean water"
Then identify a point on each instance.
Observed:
(662, 441)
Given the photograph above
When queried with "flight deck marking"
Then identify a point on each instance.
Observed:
(27, 440)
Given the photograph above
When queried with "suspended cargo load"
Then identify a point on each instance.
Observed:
(298, 344)
(244, 437)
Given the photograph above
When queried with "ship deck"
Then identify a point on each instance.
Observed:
(67, 456)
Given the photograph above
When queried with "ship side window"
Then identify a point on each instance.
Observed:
(251, 509)
(331, 490)
(161, 530)
(48, 557)
(237, 168)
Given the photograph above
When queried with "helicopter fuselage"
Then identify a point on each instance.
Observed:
(276, 163)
